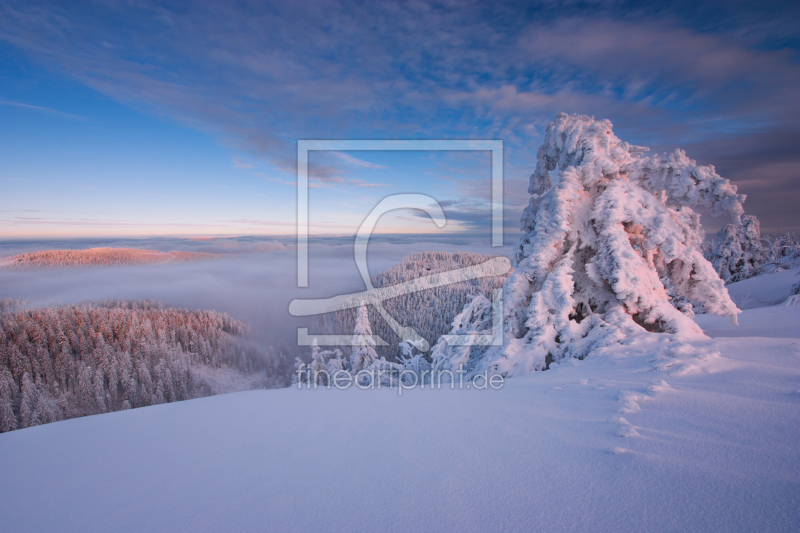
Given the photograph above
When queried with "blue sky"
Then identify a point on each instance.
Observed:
(129, 118)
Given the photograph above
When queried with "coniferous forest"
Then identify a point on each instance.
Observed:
(65, 362)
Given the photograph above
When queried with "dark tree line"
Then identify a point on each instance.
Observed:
(65, 362)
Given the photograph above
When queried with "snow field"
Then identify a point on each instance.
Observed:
(621, 441)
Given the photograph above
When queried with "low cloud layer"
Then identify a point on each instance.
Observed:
(255, 287)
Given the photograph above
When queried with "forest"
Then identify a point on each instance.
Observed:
(64, 362)
(97, 257)
(430, 312)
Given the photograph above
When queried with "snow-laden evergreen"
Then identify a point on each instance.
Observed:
(475, 319)
(364, 354)
(609, 241)
(364, 367)
(741, 252)
(319, 367)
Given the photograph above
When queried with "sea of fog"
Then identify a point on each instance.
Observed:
(254, 281)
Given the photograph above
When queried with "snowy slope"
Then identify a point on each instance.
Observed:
(764, 290)
(642, 437)
(765, 299)
(777, 321)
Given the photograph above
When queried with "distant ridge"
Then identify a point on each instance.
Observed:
(97, 257)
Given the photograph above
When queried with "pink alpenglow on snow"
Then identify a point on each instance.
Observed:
(611, 248)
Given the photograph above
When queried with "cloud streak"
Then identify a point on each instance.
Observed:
(41, 109)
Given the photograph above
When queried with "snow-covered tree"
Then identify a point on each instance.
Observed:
(29, 414)
(363, 344)
(43, 412)
(336, 362)
(475, 319)
(299, 374)
(606, 227)
(100, 391)
(415, 362)
(740, 251)
(8, 396)
(319, 367)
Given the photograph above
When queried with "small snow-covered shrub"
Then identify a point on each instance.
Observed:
(610, 240)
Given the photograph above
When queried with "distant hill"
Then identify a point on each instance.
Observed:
(97, 257)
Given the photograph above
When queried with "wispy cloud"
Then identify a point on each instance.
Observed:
(237, 162)
(350, 160)
(318, 182)
(41, 109)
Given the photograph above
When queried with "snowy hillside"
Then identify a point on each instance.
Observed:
(97, 257)
(649, 436)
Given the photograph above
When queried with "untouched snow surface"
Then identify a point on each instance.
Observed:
(778, 320)
(649, 436)
(767, 289)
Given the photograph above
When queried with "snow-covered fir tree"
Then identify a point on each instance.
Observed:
(8, 397)
(414, 362)
(606, 227)
(740, 251)
(336, 362)
(319, 366)
(299, 372)
(363, 344)
(475, 319)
